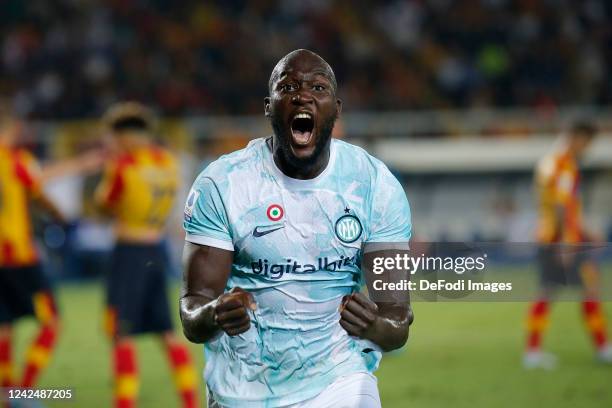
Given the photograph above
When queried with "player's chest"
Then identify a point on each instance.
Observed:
(307, 221)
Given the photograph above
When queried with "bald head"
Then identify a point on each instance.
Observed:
(299, 58)
(302, 107)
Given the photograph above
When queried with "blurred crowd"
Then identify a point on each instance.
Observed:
(68, 58)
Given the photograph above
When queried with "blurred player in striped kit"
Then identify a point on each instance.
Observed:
(24, 289)
(561, 226)
(138, 191)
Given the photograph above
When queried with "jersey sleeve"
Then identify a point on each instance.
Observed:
(391, 218)
(110, 188)
(28, 172)
(557, 180)
(205, 216)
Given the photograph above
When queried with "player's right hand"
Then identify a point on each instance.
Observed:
(231, 311)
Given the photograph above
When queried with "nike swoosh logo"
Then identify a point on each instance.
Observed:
(261, 231)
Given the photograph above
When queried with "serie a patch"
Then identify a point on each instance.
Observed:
(192, 199)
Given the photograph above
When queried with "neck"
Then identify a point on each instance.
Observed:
(135, 142)
(300, 172)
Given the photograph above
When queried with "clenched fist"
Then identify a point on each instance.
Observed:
(231, 311)
(358, 315)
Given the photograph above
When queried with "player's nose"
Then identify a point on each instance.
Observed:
(301, 97)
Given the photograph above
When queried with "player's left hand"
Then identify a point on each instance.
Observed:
(358, 315)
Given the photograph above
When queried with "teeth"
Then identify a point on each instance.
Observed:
(303, 116)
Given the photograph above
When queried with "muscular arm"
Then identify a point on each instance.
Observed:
(205, 308)
(386, 320)
(385, 324)
(85, 163)
(206, 271)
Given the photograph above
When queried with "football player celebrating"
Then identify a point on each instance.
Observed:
(138, 191)
(274, 239)
(561, 226)
(24, 289)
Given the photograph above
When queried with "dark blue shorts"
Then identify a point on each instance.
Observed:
(24, 291)
(136, 294)
(556, 273)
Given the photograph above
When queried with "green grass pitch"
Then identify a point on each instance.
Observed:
(458, 355)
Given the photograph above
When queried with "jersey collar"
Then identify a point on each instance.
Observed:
(291, 182)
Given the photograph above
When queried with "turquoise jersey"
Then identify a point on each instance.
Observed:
(297, 248)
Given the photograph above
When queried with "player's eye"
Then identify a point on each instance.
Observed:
(318, 87)
(288, 87)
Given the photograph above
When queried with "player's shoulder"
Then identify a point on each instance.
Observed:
(359, 162)
(23, 155)
(549, 165)
(164, 156)
(25, 166)
(235, 164)
(25, 163)
(123, 160)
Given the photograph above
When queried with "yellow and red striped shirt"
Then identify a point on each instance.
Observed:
(139, 188)
(558, 185)
(19, 183)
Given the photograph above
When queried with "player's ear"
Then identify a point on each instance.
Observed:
(339, 105)
(267, 106)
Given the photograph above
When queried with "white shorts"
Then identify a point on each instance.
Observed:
(358, 390)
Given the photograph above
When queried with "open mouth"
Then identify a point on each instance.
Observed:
(302, 127)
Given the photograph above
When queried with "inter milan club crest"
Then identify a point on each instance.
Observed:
(275, 212)
(348, 227)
